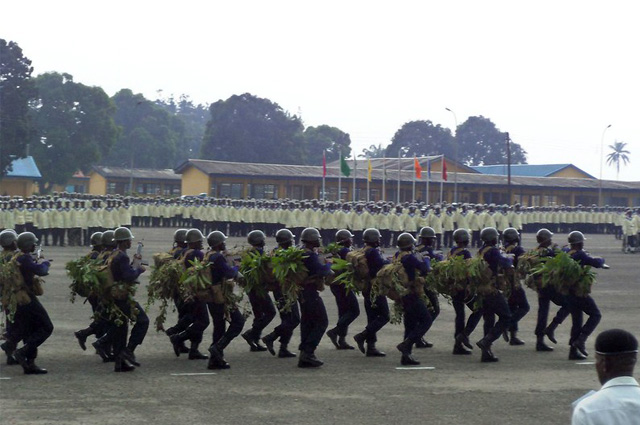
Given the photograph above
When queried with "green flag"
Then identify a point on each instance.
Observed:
(344, 167)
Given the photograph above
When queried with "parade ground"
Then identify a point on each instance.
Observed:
(524, 387)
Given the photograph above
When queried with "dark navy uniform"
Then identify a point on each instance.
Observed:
(377, 312)
(517, 301)
(460, 299)
(313, 315)
(347, 302)
(417, 318)
(263, 309)
(221, 270)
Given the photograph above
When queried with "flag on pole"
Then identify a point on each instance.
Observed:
(444, 169)
(369, 170)
(417, 168)
(324, 164)
(344, 167)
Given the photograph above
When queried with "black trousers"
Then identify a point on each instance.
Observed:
(519, 307)
(313, 319)
(417, 319)
(236, 322)
(546, 296)
(289, 320)
(263, 312)
(578, 306)
(459, 302)
(377, 315)
(495, 305)
(32, 325)
(348, 308)
(117, 333)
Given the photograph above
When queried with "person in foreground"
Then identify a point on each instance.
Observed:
(618, 401)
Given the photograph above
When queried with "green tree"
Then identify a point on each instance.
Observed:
(618, 154)
(251, 129)
(421, 138)
(150, 134)
(373, 151)
(332, 140)
(194, 118)
(481, 143)
(17, 91)
(75, 127)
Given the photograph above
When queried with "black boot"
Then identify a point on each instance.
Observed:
(575, 354)
(35, 369)
(217, 352)
(333, 336)
(121, 365)
(28, 365)
(372, 351)
(9, 347)
(103, 349)
(541, 346)
(343, 344)
(514, 340)
(177, 341)
(459, 349)
(360, 339)
(487, 354)
(194, 354)
(284, 353)
(127, 354)
(580, 344)
(408, 360)
(505, 336)
(423, 344)
(309, 360)
(269, 340)
(463, 339)
(549, 331)
(82, 336)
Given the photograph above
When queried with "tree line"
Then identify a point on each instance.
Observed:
(68, 126)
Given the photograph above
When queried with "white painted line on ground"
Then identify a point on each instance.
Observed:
(583, 363)
(416, 368)
(193, 374)
(5, 378)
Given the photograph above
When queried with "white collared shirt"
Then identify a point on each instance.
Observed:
(617, 402)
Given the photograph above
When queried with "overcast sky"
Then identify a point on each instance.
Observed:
(553, 74)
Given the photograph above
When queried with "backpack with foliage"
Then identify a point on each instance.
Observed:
(391, 280)
(14, 288)
(88, 277)
(358, 260)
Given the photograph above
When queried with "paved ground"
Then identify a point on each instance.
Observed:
(525, 387)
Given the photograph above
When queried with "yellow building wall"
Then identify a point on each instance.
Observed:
(18, 187)
(194, 182)
(97, 184)
(572, 173)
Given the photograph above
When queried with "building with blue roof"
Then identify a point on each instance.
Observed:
(23, 178)
(535, 170)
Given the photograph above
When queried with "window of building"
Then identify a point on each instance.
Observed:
(230, 190)
(264, 191)
(111, 188)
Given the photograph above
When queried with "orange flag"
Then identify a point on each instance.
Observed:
(417, 167)
(444, 169)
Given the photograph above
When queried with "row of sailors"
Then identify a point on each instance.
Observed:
(65, 214)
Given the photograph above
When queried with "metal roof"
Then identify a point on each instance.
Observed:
(24, 168)
(405, 163)
(138, 173)
(530, 170)
(280, 171)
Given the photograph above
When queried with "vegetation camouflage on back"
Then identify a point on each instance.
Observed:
(257, 271)
(88, 277)
(345, 275)
(449, 277)
(12, 285)
(164, 284)
(290, 272)
(331, 249)
(565, 274)
(527, 264)
(391, 281)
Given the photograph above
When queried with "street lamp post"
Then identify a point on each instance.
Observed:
(601, 160)
(455, 154)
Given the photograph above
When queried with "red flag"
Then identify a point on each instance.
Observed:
(417, 167)
(444, 169)
(324, 164)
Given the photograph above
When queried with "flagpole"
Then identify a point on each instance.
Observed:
(324, 173)
(441, 178)
(368, 176)
(355, 171)
(426, 198)
(384, 177)
(398, 197)
(340, 178)
(413, 189)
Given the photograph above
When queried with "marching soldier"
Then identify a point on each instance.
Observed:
(289, 320)
(426, 248)
(348, 308)
(313, 315)
(31, 319)
(378, 310)
(220, 271)
(518, 298)
(417, 318)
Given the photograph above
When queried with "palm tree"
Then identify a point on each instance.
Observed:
(373, 151)
(619, 153)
